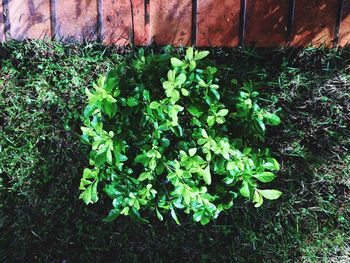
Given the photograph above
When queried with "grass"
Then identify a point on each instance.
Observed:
(41, 160)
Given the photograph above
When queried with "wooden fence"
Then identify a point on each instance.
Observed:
(227, 23)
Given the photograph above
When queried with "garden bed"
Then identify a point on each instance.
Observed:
(42, 159)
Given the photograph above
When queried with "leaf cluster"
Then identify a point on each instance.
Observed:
(161, 141)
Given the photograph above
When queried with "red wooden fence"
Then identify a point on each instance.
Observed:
(227, 23)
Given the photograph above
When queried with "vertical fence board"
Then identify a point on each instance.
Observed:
(344, 30)
(29, 19)
(218, 23)
(116, 22)
(76, 20)
(266, 23)
(2, 24)
(314, 22)
(141, 29)
(171, 22)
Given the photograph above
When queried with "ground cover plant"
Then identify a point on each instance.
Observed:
(174, 148)
(42, 99)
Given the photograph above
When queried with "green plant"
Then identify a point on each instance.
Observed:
(250, 115)
(162, 153)
(41, 220)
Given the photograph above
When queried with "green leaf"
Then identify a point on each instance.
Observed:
(197, 216)
(94, 197)
(211, 120)
(194, 110)
(261, 124)
(120, 157)
(145, 175)
(171, 75)
(230, 166)
(192, 65)
(110, 98)
(207, 175)
(113, 193)
(142, 158)
(201, 82)
(270, 194)
(201, 55)
(88, 93)
(86, 195)
(173, 214)
(83, 183)
(185, 92)
(90, 194)
(109, 155)
(175, 95)
(180, 79)
(111, 81)
(152, 164)
(177, 62)
(205, 219)
(255, 94)
(135, 214)
(160, 168)
(265, 177)
(192, 151)
(271, 164)
(186, 197)
(146, 95)
(169, 86)
(89, 109)
(257, 199)
(244, 190)
(272, 119)
(110, 108)
(222, 112)
(220, 120)
(189, 53)
(212, 70)
(247, 150)
(132, 102)
(100, 159)
(159, 215)
(205, 134)
(154, 105)
(113, 214)
(216, 93)
(88, 173)
(201, 141)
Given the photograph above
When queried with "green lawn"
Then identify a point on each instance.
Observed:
(41, 162)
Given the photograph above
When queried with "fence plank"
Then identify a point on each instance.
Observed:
(218, 23)
(29, 19)
(314, 22)
(266, 23)
(116, 22)
(76, 20)
(142, 34)
(344, 30)
(2, 24)
(171, 22)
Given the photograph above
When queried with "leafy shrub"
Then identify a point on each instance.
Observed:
(158, 150)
